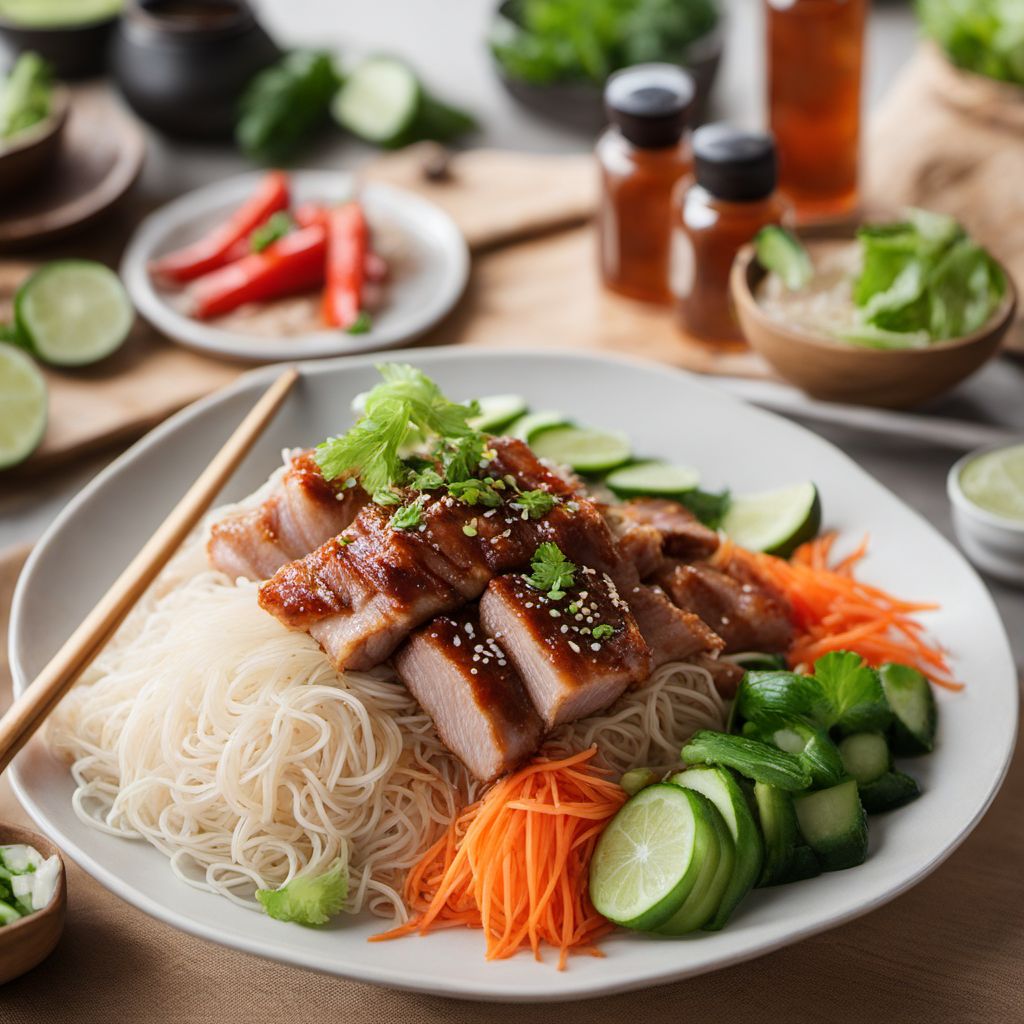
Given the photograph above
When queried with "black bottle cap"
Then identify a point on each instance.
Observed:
(650, 103)
(734, 165)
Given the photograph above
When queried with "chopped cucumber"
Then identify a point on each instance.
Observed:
(651, 855)
(708, 891)
(892, 790)
(833, 823)
(767, 695)
(582, 449)
(497, 412)
(782, 253)
(652, 479)
(528, 427)
(755, 760)
(73, 312)
(865, 757)
(910, 697)
(22, 406)
(774, 521)
(813, 748)
(757, 661)
(724, 792)
(638, 778)
(786, 858)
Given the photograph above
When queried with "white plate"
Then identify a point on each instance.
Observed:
(667, 414)
(435, 266)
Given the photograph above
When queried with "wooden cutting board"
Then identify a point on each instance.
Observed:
(533, 284)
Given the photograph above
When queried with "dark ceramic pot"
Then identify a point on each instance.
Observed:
(184, 64)
(74, 51)
(580, 105)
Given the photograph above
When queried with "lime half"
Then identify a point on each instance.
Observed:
(74, 312)
(774, 521)
(22, 406)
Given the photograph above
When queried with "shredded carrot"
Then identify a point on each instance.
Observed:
(834, 611)
(516, 862)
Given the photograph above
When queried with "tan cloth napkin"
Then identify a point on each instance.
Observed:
(949, 950)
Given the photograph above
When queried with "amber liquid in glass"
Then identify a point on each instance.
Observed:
(634, 220)
(707, 234)
(815, 53)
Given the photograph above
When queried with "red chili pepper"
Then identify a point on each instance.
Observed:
(217, 248)
(292, 264)
(347, 244)
(375, 267)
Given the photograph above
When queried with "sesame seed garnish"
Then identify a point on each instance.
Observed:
(575, 647)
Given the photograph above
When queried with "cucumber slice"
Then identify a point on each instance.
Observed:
(892, 790)
(833, 823)
(865, 756)
(497, 412)
(379, 101)
(814, 749)
(758, 661)
(22, 406)
(651, 855)
(782, 253)
(73, 312)
(652, 479)
(528, 427)
(786, 858)
(582, 449)
(755, 760)
(724, 792)
(774, 521)
(910, 697)
(638, 778)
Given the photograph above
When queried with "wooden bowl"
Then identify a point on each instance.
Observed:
(837, 372)
(31, 153)
(31, 940)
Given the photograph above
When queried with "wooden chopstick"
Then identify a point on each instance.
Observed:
(30, 710)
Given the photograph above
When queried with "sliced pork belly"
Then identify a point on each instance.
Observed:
(303, 511)
(568, 672)
(683, 535)
(477, 701)
(639, 543)
(672, 633)
(748, 617)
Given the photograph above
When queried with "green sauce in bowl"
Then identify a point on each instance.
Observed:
(994, 481)
(58, 13)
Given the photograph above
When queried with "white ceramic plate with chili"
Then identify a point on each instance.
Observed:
(425, 254)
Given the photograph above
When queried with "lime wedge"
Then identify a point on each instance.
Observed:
(774, 521)
(586, 451)
(73, 312)
(659, 479)
(22, 406)
(649, 857)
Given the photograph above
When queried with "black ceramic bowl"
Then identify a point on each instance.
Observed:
(580, 105)
(74, 51)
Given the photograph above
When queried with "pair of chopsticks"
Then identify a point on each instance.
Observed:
(30, 710)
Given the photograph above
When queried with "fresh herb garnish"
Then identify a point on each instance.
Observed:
(385, 496)
(855, 700)
(409, 516)
(461, 458)
(552, 571)
(534, 503)
(276, 226)
(470, 528)
(477, 492)
(308, 900)
(426, 479)
(602, 632)
(984, 36)
(362, 324)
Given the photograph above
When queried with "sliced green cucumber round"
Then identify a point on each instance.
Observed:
(582, 449)
(865, 756)
(652, 479)
(530, 426)
(73, 312)
(777, 522)
(22, 406)
(497, 412)
(724, 792)
(650, 856)
(379, 100)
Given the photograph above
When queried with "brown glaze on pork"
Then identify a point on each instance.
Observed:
(683, 535)
(474, 696)
(672, 633)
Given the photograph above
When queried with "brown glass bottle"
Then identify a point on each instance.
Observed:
(715, 213)
(642, 154)
(815, 54)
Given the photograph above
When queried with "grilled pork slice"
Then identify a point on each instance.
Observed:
(639, 543)
(672, 633)
(477, 701)
(303, 511)
(726, 675)
(569, 672)
(748, 617)
(683, 535)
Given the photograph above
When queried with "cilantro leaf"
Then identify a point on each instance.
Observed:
(552, 571)
(602, 631)
(308, 900)
(477, 492)
(534, 503)
(461, 458)
(362, 324)
(853, 692)
(426, 479)
(409, 516)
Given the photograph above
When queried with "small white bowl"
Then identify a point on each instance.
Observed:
(993, 543)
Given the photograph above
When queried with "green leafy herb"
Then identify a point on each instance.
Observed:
(386, 496)
(285, 106)
(25, 95)
(426, 479)
(853, 691)
(602, 631)
(308, 900)
(751, 758)
(984, 36)
(408, 517)
(276, 226)
(707, 506)
(469, 529)
(477, 492)
(461, 458)
(534, 503)
(362, 324)
(552, 571)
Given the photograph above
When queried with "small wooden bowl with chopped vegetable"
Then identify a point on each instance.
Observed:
(27, 154)
(29, 934)
(891, 317)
